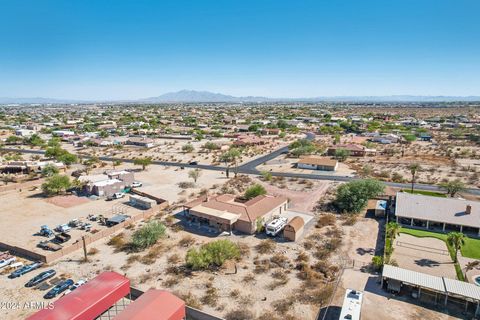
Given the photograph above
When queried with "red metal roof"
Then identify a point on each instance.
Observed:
(88, 301)
(154, 305)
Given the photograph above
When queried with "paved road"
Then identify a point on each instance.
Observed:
(251, 168)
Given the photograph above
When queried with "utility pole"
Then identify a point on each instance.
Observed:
(84, 249)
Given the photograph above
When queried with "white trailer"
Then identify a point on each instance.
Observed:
(352, 305)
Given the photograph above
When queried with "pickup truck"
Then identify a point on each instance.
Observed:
(47, 245)
(61, 237)
(116, 195)
(7, 261)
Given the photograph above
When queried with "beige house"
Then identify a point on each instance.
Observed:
(228, 213)
(317, 163)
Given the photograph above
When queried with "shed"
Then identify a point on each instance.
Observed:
(294, 229)
(142, 202)
(119, 218)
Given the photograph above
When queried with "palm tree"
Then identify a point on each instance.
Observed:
(456, 240)
(470, 266)
(414, 168)
(393, 230)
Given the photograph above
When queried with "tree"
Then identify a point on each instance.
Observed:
(195, 174)
(377, 262)
(212, 254)
(116, 163)
(393, 230)
(470, 266)
(453, 187)
(148, 235)
(144, 162)
(56, 184)
(341, 154)
(409, 138)
(352, 197)
(414, 168)
(231, 156)
(254, 191)
(35, 140)
(456, 240)
(188, 148)
(50, 170)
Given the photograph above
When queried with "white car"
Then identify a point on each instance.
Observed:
(7, 261)
(136, 184)
(78, 284)
(63, 228)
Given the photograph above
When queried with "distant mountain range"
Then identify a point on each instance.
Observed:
(192, 96)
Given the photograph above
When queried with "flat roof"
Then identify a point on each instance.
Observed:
(352, 305)
(443, 285)
(445, 210)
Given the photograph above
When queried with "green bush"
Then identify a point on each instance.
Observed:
(212, 254)
(56, 184)
(254, 191)
(148, 235)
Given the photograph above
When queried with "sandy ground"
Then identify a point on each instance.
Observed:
(359, 245)
(426, 255)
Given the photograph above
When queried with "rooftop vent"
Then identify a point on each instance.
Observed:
(468, 209)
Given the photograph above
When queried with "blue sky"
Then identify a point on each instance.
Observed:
(119, 49)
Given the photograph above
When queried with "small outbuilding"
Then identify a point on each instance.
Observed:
(294, 229)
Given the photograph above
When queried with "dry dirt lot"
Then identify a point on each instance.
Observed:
(377, 303)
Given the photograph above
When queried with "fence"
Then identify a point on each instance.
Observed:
(47, 258)
(21, 185)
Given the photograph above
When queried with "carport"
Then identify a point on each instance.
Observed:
(457, 291)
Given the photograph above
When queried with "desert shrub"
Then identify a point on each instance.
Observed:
(283, 306)
(171, 281)
(302, 257)
(212, 254)
(186, 185)
(244, 249)
(148, 235)
(262, 266)
(173, 259)
(211, 297)
(190, 300)
(249, 278)
(152, 255)
(93, 251)
(117, 241)
(280, 260)
(325, 220)
(240, 314)
(186, 241)
(267, 246)
(254, 191)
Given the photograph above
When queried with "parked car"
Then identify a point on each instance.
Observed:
(77, 284)
(25, 269)
(48, 245)
(59, 288)
(40, 278)
(63, 228)
(136, 184)
(116, 195)
(73, 223)
(61, 237)
(193, 163)
(7, 261)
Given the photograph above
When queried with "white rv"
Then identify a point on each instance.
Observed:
(352, 305)
(275, 226)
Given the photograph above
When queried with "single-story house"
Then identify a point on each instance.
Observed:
(248, 140)
(141, 142)
(107, 184)
(28, 166)
(226, 212)
(435, 213)
(354, 150)
(317, 163)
